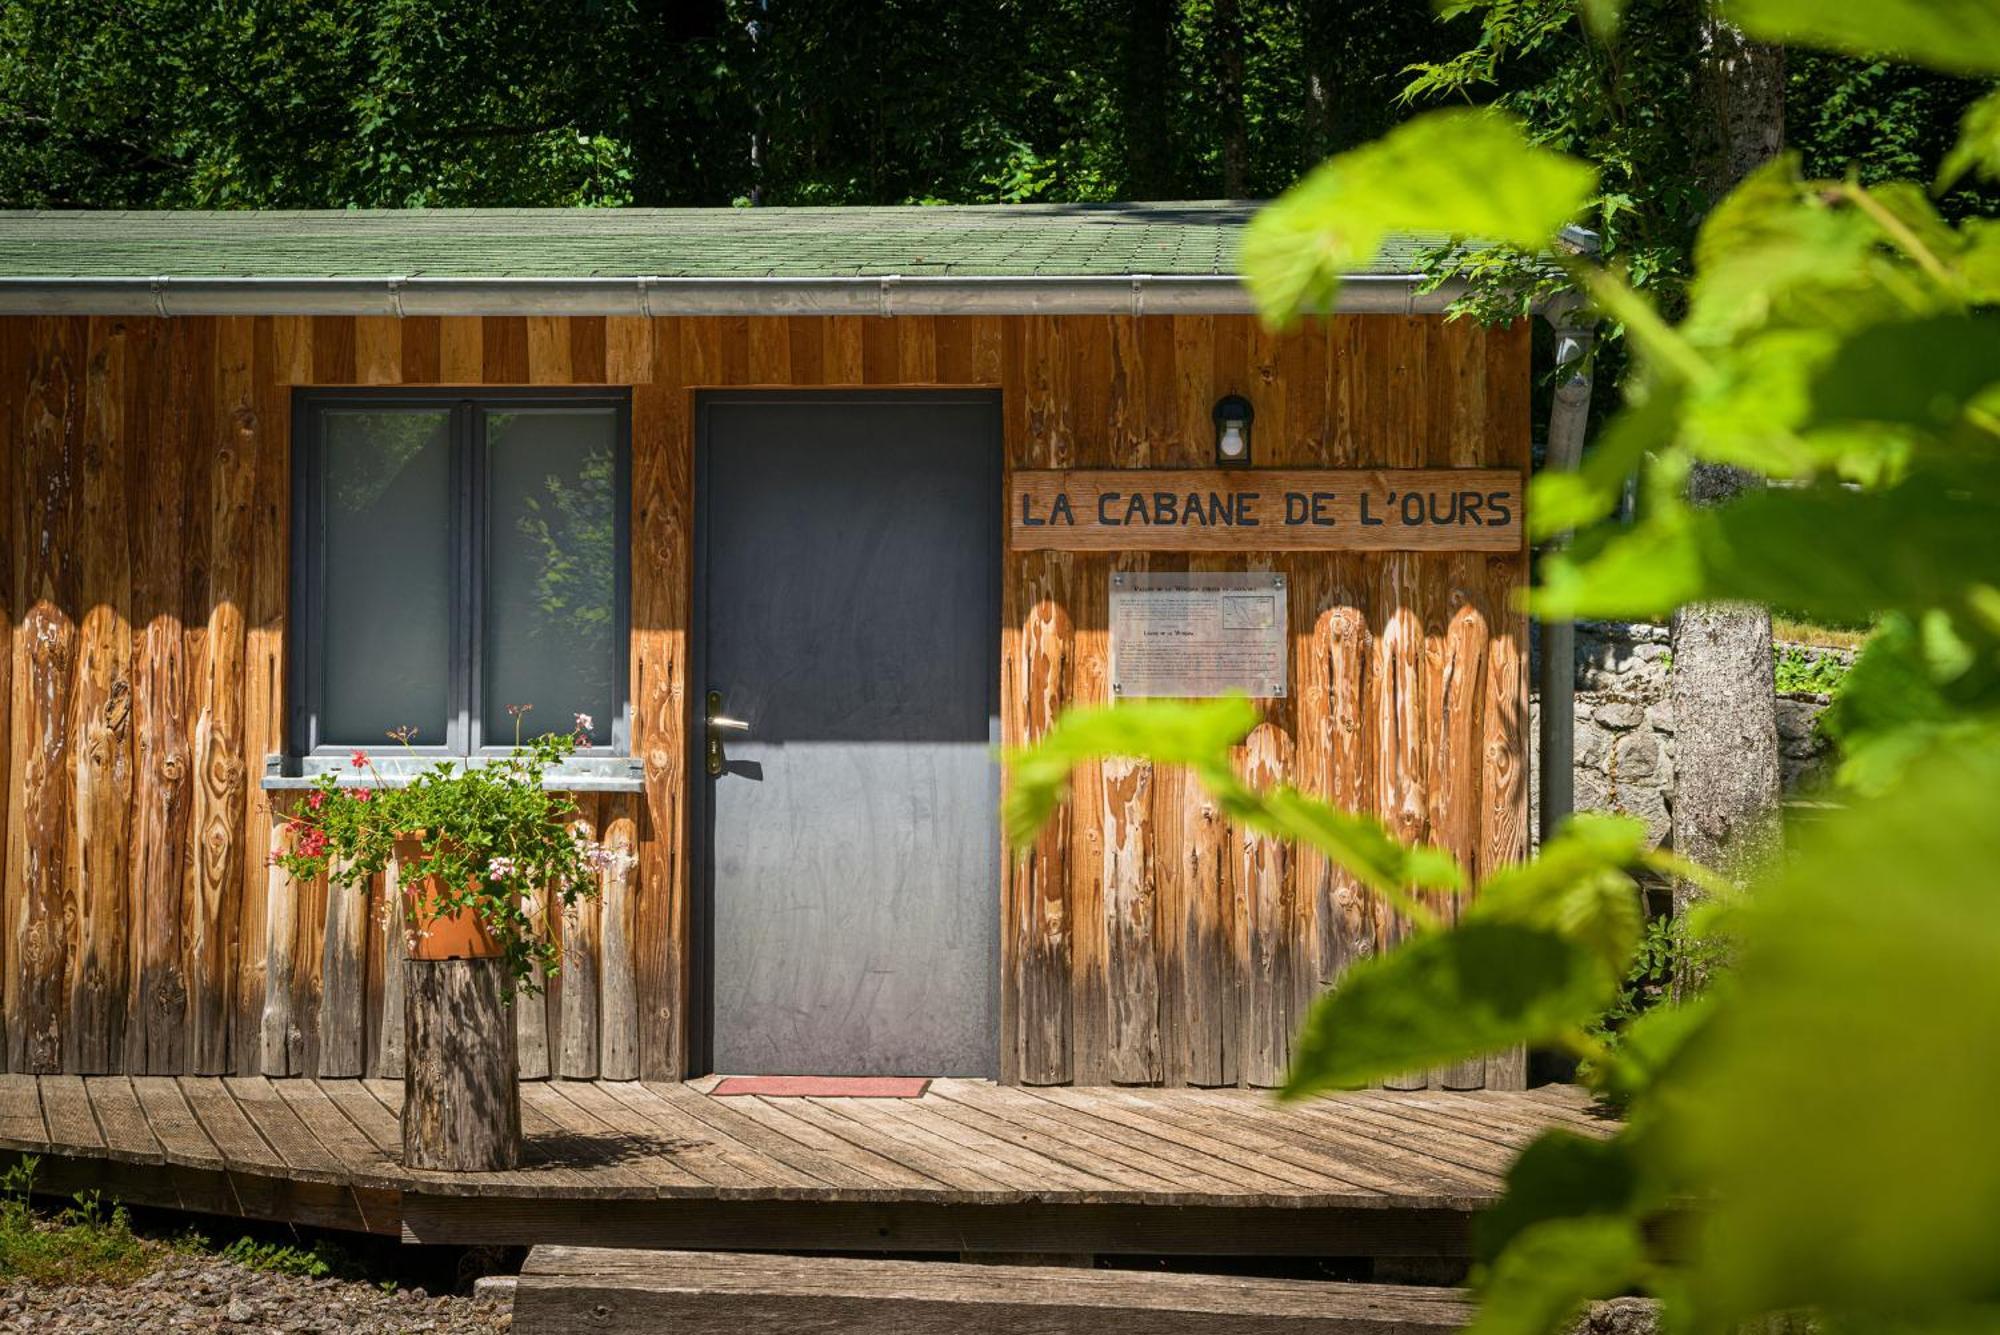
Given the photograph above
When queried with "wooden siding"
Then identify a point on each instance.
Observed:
(145, 487)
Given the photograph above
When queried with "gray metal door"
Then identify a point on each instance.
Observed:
(848, 615)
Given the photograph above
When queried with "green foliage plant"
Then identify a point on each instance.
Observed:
(498, 841)
(86, 1242)
(1812, 1132)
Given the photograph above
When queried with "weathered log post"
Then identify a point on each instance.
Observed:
(461, 1097)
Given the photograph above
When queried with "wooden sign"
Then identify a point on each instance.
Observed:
(1266, 510)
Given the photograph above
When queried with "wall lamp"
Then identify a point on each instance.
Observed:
(1232, 431)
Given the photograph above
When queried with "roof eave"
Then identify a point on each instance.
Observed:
(1119, 294)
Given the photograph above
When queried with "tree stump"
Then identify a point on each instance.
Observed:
(461, 1094)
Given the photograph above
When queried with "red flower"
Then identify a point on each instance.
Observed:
(360, 760)
(364, 794)
(317, 800)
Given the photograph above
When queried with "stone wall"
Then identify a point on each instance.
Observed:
(1625, 726)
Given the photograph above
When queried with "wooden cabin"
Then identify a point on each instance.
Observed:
(272, 484)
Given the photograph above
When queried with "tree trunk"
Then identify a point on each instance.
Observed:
(461, 1093)
(1235, 120)
(1145, 79)
(1726, 775)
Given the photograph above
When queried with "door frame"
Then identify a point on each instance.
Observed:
(700, 811)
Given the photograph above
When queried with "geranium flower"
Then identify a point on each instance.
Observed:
(500, 868)
(317, 800)
(364, 794)
(583, 725)
(360, 760)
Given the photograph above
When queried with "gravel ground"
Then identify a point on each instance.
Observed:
(212, 1294)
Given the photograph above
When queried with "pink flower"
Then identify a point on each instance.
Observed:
(360, 760)
(364, 794)
(583, 725)
(317, 800)
(500, 868)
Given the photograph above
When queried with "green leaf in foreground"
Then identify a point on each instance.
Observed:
(1172, 732)
(1962, 36)
(1443, 997)
(1978, 147)
(1458, 173)
(1580, 887)
(1552, 1269)
(1561, 1175)
(1841, 1106)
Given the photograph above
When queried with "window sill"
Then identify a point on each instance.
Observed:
(583, 774)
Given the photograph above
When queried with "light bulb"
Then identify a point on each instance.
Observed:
(1231, 444)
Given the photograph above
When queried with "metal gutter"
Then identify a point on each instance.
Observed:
(1119, 294)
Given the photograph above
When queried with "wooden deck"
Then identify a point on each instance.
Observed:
(971, 1166)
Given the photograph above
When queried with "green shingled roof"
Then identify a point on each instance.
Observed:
(1025, 240)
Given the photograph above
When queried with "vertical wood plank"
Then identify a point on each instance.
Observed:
(628, 350)
(1079, 413)
(662, 475)
(263, 671)
(618, 1008)
(274, 1030)
(461, 349)
(588, 350)
(387, 946)
(378, 349)
(1266, 946)
(47, 500)
(14, 361)
(99, 867)
(343, 975)
(423, 351)
(216, 868)
(548, 351)
(164, 414)
(504, 353)
(769, 339)
(806, 351)
(916, 350)
(1503, 808)
(533, 1001)
(843, 362)
(578, 1033)
(333, 350)
(1394, 372)
(881, 353)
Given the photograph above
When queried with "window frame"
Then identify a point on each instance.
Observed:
(469, 542)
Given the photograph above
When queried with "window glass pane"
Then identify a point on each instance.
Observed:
(386, 643)
(551, 563)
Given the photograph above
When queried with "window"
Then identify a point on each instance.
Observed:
(457, 556)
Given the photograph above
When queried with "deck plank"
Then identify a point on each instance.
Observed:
(1361, 1147)
(1253, 1174)
(281, 1127)
(1129, 1169)
(21, 1123)
(583, 1138)
(336, 1134)
(825, 1153)
(715, 1155)
(1424, 1148)
(1252, 1124)
(943, 1170)
(672, 1156)
(236, 1139)
(67, 1109)
(1190, 1170)
(122, 1120)
(854, 1120)
(983, 1146)
(174, 1124)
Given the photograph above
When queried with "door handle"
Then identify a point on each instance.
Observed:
(718, 724)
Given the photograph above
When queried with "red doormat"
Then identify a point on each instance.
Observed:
(824, 1086)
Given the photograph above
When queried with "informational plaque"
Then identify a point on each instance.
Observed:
(1196, 635)
(1266, 510)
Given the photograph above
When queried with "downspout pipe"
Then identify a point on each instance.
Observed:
(1575, 332)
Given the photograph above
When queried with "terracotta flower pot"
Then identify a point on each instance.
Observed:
(435, 933)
